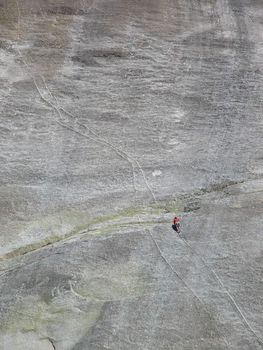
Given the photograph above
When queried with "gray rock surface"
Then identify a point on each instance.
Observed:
(116, 115)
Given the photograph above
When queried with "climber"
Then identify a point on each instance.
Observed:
(176, 224)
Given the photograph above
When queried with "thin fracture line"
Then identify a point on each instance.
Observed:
(170, 266)
(234, 304)
(57, 109)
(129, 158)
(120, 150)
(185, 284)
(243, 318)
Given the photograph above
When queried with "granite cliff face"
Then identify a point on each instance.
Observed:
(115, 115)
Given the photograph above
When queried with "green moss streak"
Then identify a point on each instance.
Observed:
(109, 224)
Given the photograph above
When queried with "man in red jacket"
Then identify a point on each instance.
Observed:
(176, 224)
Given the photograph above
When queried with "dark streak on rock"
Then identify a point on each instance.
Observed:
(65, 10)
(52, 343)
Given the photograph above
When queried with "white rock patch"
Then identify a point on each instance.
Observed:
(173, 142)
(156, 173)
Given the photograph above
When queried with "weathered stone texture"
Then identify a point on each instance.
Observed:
(115, 115)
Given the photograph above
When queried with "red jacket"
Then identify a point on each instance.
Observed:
(176, 220)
